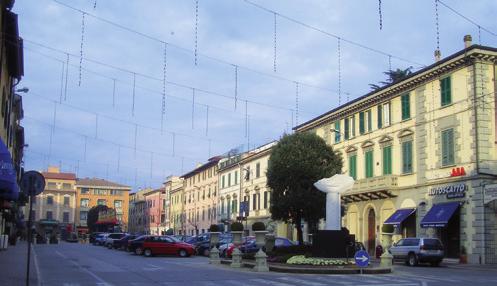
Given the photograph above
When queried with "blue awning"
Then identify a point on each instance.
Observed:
(8, 179)
(399, 216)
(439, 215)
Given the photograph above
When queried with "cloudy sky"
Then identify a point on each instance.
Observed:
(83, 118)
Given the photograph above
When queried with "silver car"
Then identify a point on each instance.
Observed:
(415, 250)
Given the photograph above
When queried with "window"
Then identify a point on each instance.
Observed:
(380, 117)
(66, 200)
(254, 201)
(228, 206)
(101, 202)
(257, 170)
(445, 86)
(387, 160)
(49, 200)
(368, 156)
(352, 132)
(222, 208)
(247, 173)
(229, 179)
(370, 121)
(386, 114)
(448, 147)
(65, 217)
(222, 181)
(85, 191)
(346, 129)
(236, 177)
(51, 186)
(118, 204)
(353, 166)
(361, 123)
(66, 186)
(407, 157)
(233, 206)
(266, 197)
(406, 106)
(49, 215)
(337, 131)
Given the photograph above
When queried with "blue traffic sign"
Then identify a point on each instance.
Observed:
(361, 258)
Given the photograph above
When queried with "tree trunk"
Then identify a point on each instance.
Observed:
(298, 226)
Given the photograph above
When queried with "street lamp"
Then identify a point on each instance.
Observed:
(24, 89)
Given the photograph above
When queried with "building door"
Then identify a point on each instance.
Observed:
(371, 243)
(451, 235)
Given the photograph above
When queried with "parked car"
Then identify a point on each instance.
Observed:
(165, 245)
(136, 244)
(109, 241)
(231, 247)
(72, 237)
(203, 248)
(416, 250)
(100, 239)
(93, 235)
(122, 243)
(279, 242)
(183, 237)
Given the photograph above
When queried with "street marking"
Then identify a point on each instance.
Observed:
(271, 282)
(301, 281)
(101, 282)
(331, 277)
(37, 268)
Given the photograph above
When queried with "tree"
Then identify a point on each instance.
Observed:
(295, 164)
(92, 216)
(393, 76)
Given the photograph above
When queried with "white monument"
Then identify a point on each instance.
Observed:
(333, 187)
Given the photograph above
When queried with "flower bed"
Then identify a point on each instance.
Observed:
(302, 260)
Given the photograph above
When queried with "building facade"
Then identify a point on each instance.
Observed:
(54, 210)
(154, 204)
(177, 206)
(200, 197)
(92, 192)
(172, 194)
(138, 212)
(230, 173)
(423, 154)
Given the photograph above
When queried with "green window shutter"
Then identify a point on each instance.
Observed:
(352, 166)
(370, 123)
(346, 129)
(353, 125)
(337, 131)
(380, 116)
(445, 87)
(407, 157)
(406, 108)
(361, 123)
(387, 160)
(447, 147)
(369, 164)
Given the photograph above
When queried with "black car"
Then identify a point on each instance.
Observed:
(93, 235)
(203, 247)
(123, 242)
(135, 243)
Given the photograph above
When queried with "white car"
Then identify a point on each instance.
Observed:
(109, 241)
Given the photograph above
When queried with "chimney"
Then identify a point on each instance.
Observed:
(438, 55)
(467, 41)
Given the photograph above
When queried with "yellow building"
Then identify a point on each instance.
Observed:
(230, 175)
(92, 192)
(200, 197)
(424, 149)
(54, 210)
(174, 195)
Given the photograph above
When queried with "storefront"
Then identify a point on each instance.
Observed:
(9, 192)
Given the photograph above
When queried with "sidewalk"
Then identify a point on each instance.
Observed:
(13, 262)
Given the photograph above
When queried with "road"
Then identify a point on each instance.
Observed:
(77, 265)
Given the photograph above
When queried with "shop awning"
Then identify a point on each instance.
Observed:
(399, 216)
(439, 215)
(8, 178)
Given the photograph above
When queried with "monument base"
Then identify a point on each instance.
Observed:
(332, 244)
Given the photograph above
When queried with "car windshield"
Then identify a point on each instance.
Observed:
(432, 242)
(174, 239)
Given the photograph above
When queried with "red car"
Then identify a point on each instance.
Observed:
(231, 246)
(166, 245)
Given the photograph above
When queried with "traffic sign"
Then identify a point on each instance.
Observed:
(361, 258)
(32, 183)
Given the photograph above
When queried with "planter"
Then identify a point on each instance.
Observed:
(237, 237)
(260, 237)
(214, 237)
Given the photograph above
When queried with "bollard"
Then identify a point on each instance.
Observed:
(34, 239)
(214, 256)
(236, 258)
(386, 259)
(261, 261)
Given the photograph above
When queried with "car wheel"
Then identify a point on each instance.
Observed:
(109, 246)
(139, 251)
(182, 253)
(412, 260)
(147, 252)
(206, 252)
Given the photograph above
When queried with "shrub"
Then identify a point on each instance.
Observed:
(170, 231)
(258, 226)
(302, 260)
(280, 259)
(237, 226)
(387, 228)
(214, 228)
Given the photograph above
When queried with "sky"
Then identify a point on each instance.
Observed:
(248, 85)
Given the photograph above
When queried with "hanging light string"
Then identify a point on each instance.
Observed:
(479, 34)
(339, 53)
(389, 63)
(62, 82)
(275, 41)
(95, 5)
(292, 117)
(221, 61)
(236, 85)
(380, 14)
(164, 80)
(296, 103)
(81, 46)
(437, 27)
(67, 73)
(193, 107)
(196, 32)
(134, 90)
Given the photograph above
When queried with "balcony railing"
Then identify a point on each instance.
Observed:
(375, 183)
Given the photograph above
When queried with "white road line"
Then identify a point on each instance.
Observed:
(101, 282)
(332, 278)
(37, 268)
(301, 281)
(428, 278)
(271, 282)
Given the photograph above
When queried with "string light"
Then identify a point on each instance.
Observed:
(339, 72)
(136, 136)
(437, 25)
(164, 79)
(193, 107)
(62, 82)
(95, 4)
(81, 47)
(380, 14)
(67, 73)
(479, 35)
(274, 41)
(196, 32)
(134, 90)
(292, 117)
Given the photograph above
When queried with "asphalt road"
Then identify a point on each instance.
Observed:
(76, 265)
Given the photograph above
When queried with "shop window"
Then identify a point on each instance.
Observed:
(448, 147)
(353, 166)
(387, 160)
(337, 131)
(406, 106)
(407, 157)
(368, 160)
(445, 91)
(83, 215)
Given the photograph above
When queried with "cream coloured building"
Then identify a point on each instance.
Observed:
(423, 153)
(230, 174)
(177, 204)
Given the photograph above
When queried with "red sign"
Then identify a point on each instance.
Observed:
(459, 171)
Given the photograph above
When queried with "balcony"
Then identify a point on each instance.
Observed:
(375, 184)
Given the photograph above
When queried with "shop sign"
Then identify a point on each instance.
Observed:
(451, 191)
(107, 216)
(490, 193)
